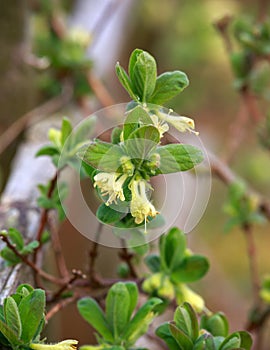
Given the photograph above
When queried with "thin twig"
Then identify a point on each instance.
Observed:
(44, 214)
(24, 259)
(51, 106)
(76, 274)
(57, 247)
(94, 279)
(99, 90)
(253, 263)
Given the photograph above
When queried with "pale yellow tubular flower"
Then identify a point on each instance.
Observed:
(68, 344)
(140, 206)
(111, 184)
(180, 123)
(160, 125)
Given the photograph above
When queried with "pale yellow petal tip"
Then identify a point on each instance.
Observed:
(68, 344)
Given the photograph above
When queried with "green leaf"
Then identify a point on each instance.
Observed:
(186, 320)
(102, 155)
(136, 117)
(10, 257)
(125, 81)
(31, 311)
(231, 342)
(191, 269)
(81, 134)
(107, 215)
(30, 247)
(8, 333)
(47, 151)
(216, 324)
(16, 238)
(246, 340)
(178, 157)
(133, 296)
(118, 308)
(12, 316)
(140, 321)
(181, 338)
(66, 130)
(116, 135)
(143, 74)
(153, 262)
(142, 141)
(168, 85)
(172, 248)
(163, 331)
(93, 314)
(132, 60)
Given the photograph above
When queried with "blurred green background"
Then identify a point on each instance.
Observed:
(181, 35)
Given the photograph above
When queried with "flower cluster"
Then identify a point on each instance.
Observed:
(136, 161)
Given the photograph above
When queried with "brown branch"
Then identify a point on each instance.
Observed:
(25, 260)
(44, 214)
(252, 105)
(99, 90)
(36, 114)
(253, 263)
(93, 254)
(76, 275)
(57, 247)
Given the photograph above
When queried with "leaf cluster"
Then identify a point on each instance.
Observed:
(120, 326)
(185, 332)
(173, 268)
(143, 84)
(22, 317)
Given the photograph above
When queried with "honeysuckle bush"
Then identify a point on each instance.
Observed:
(121, 172)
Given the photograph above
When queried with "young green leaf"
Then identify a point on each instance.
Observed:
(93, 314)
(216, 324)
(135, 118)
(163, 331)
(143, 74)
(142, 141)
(178, 157)
(133, 297)
(172, 248)
(8, 333)
(47, 151)
(186, 320)
(12, 316)
(140, 321)
(31, 311)
(102, 155)
(246, 340)
(181, 338)
(118, 308)
(233, 341)
(66, 130)
(168, 85)
(125, 81)
(190, 269)
(107, 215)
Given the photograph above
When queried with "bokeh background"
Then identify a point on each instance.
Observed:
(181, 35)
